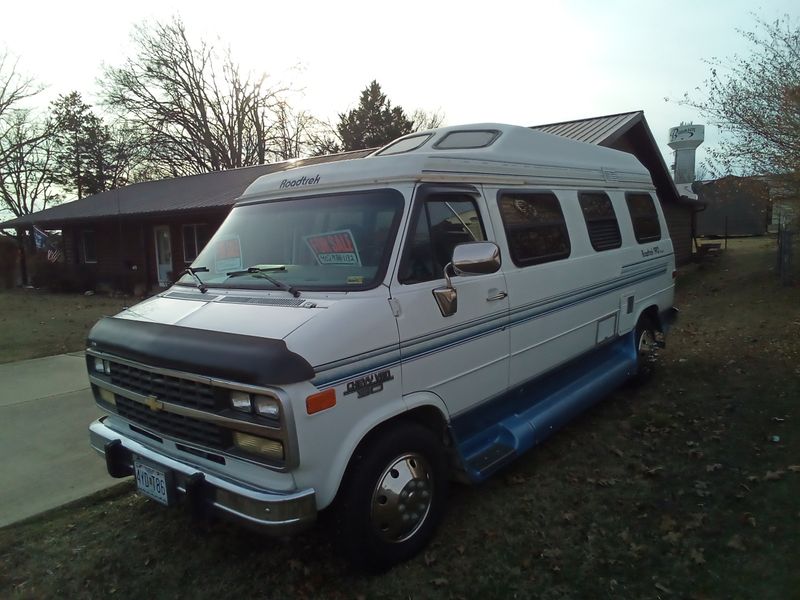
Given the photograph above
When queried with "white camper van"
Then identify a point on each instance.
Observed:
(358, 333)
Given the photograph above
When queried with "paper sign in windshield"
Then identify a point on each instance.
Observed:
(334, 248)
(227, 255)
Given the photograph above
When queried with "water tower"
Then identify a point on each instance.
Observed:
(684, 139)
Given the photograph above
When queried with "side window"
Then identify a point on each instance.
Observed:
(440, 224)
(535, 228)
(195, 237)
(646, 227)
(601, 220)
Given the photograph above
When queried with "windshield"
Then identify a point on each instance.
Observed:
(331, 242)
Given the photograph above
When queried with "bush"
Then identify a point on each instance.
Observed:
(60, 277)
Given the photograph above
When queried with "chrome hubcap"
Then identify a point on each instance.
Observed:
(402, 498)
(647, 346)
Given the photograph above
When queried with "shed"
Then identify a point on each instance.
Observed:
(734, 206)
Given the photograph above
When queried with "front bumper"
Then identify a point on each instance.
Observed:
(271, 512)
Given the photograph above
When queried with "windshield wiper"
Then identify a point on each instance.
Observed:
(193, 271)
(261, 272)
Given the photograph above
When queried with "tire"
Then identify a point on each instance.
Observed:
(646, 351)
(392, 498)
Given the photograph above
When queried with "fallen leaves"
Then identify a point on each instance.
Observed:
(736, 543)
(696, 556)
(774, 475)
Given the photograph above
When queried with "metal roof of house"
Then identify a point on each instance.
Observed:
(602, 131)
(192, 192)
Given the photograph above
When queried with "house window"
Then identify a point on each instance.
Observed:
(646, 227)
(535, 228)
(601, 220)
(440, 224)
(195, 238)
(89, 247)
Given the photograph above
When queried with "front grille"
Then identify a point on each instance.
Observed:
(169, 389)
(177, 426)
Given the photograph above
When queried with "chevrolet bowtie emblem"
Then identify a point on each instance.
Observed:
(154, 403)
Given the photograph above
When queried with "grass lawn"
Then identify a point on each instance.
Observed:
(37, 323)
(686, 488)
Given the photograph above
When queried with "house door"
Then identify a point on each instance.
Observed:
(163, 254)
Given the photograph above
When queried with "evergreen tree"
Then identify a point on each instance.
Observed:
(88, 160)
(374, 122)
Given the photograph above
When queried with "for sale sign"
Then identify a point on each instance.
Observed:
(334, 248)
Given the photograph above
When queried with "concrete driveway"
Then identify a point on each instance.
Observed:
(45, 409)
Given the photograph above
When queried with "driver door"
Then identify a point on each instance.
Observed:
(463, 358)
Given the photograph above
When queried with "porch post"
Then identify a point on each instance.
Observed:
(23, 265)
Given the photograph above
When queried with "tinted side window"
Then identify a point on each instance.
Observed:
(440, 224)
(646, 227)
(535, 228)
(601, 220)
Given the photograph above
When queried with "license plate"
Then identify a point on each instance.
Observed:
(152, 482)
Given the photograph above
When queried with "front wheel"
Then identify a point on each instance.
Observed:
(393, 497)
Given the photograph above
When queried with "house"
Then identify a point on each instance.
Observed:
(139, 237)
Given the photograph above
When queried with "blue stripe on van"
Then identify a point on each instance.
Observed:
(336, 372)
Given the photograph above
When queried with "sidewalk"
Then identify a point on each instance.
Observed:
(45, 409)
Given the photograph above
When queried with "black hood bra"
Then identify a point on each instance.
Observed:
(231, 356)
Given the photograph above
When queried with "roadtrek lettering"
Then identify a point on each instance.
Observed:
(290, 183)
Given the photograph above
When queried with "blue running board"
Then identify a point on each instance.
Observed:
(493, 434)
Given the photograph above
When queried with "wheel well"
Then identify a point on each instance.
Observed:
(651, 314)
(428, 416)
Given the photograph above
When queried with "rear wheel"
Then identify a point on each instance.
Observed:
(393, 497)
(646, 350)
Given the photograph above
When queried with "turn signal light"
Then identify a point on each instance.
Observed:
(321, 401)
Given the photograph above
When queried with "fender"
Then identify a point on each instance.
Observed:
(397, 407)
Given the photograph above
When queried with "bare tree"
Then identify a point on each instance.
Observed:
(424, 119)
(296, 133)
(197, 110)
(755, 101)
(14, 89)
(26, 173)
(25, 145)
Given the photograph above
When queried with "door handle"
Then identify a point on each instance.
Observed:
(497, 296)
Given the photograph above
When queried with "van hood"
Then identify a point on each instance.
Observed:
(260, 316)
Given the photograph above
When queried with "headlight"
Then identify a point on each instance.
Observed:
(258, 445)
(241, 401)
(267, 407)
(107, 396)
(102, 366)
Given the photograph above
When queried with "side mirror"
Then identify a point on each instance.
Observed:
(476, 258)
(470, 258)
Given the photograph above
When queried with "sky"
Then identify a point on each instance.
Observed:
(523, 62)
